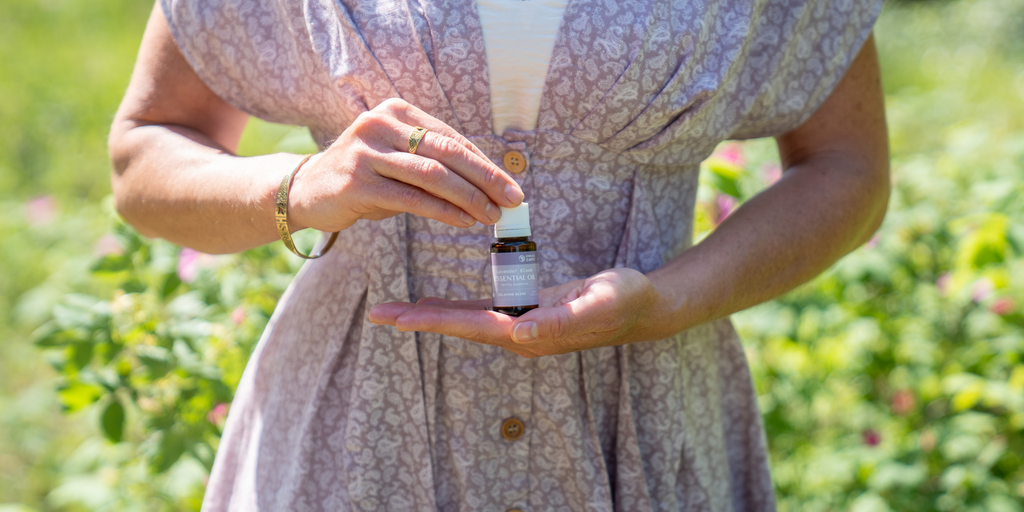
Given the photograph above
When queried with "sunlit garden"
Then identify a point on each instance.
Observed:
(895, 381)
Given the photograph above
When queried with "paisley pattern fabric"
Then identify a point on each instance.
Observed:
(335, 413)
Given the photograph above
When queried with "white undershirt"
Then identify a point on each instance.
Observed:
(519, 36)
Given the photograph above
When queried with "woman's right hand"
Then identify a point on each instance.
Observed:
(368, 173)
(176, 174)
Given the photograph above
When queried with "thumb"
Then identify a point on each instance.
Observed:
(562, 322)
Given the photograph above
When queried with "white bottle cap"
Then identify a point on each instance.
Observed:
(514, 222)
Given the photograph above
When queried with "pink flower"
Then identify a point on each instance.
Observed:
(903, 402)
(1002, 306)
(238, 315)
(107, 244)
(190, 261)
(942, 283)
(732, 152)
(771, 172)
(40, 210)
(218, 414)
(871, 437)
(981, 290)
(874, 241)
(725, 204)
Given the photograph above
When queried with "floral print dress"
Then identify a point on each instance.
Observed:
(335, 413)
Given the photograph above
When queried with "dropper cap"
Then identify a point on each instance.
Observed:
(514, 222)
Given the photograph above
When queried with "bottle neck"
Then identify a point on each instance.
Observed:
(515, 239)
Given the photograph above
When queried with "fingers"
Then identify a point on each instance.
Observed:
(477, 325)
(469, 319)
(547, 324)
(397, 196)
(445, 145)
(580, 318)
(389, 312)
(477, 170)
(411, 115)
(448, 179)
(543, 331)
(430, 175)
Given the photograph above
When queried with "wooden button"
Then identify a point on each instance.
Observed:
(512, 429)
(515, 162)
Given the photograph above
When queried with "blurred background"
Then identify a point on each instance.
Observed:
(894, 381)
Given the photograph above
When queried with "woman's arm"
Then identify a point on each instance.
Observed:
(832, 196)
(176, 176)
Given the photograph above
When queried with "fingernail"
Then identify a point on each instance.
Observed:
(524, 332)
(514, 194)
(467, 218)
(493, 213)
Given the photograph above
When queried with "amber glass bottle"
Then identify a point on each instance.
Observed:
(514, 263)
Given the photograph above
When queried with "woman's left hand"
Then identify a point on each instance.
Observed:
(614, 307)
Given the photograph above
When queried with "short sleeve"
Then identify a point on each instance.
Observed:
(797, 56)
(255, 55)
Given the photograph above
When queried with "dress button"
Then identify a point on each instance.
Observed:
(512, 429)
(515, 162)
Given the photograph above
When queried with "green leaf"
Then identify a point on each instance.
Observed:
(724, 168)
(170, 284)
(983, 240)
(112, 263)
(50, 335)
(1015, 318)
(71, 317)
(133, 286)
(168, 452)
(158, 360)
(726, 185)
(128, 237)
(113, 421)
(1015, 238)
(78, 395)
(81, 300)
(81, 353)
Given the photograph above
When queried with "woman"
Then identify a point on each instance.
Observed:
(382, 383)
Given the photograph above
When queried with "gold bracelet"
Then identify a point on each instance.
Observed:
(282, 215)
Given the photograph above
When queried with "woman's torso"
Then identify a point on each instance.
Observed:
(338, 413)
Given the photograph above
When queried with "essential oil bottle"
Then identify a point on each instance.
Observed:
(514, 263)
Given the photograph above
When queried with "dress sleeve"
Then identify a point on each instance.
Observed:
(798, 54)
(250, 53)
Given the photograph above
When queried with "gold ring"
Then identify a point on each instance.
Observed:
(415, 137)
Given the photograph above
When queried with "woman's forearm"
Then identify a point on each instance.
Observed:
(822, 208)
(175, 183)
(831, 198)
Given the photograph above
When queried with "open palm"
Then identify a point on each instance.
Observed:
(613, 307)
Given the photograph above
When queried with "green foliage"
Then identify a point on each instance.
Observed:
(168, 345)
(65, 67)
(113, 421)
(895, 381)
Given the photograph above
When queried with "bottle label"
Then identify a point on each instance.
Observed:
(514, 275)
